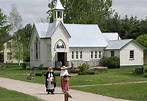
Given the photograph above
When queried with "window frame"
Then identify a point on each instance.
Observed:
(131, 55)
(112, 53)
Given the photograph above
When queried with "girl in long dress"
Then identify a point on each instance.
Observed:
(63, 74)
(50, 84)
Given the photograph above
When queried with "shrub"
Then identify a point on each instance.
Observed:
(145, 70)
(41, 67)
(103, 61)
(38, 74)
(88, 72)
(83, 67)
(24, 66)
(145, 75)
(113, 62)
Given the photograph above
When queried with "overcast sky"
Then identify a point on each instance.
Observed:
(32, 10)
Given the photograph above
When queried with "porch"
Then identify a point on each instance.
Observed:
(75, 64)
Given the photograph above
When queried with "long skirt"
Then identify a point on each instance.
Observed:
(64, 84)
(50, 86)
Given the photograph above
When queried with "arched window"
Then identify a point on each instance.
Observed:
(37, 49)
(60, 44)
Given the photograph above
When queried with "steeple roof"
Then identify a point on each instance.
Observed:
(58, 6)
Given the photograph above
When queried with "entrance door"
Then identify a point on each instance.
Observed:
(62, 57)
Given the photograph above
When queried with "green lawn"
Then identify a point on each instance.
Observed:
(135, 92)
(8, 95)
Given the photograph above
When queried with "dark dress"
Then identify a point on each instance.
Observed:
(47, 84)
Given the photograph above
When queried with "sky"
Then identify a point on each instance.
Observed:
(32, 10)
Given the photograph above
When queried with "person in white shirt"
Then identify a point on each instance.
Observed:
(64, 78)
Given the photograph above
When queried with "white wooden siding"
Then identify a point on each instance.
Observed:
(125, 55)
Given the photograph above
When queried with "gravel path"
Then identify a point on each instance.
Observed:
(38, 90)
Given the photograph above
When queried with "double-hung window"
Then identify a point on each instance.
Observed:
(131, 54)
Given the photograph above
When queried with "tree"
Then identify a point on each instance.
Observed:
(130, 27)
(114, 24)
(17, 46)
(4, 32)
(16, 21)
(4, 29)
(21, 49)
(85, 11)
(142, 39)
(143, 24)
(25, 41)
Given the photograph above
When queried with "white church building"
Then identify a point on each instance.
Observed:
(73, 44)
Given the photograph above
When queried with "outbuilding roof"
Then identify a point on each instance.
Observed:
(117, 44)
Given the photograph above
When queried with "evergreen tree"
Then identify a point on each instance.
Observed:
(4, 29)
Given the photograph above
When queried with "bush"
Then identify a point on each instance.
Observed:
(38, 74)
(113, 62)
(145, 75)
(88, 72)
(145, 70)
(83, 67)
(24, 66)
(103, 61)
(41, 67)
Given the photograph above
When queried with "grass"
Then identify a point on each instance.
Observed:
(8, 95)
(134, 92)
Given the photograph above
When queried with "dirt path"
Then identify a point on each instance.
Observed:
(110, 84)
(38, 90)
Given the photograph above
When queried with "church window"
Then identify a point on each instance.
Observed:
(59, 14)
(60, 44)
(100, 54)
(31, 54)
(37, 49)
(95, 54)
(72, 54)
(81, 54)
(76, 54)
(91, 54)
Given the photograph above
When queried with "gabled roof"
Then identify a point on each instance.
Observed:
(117, 44)
(83, 35)
(41, 29)
(111, 36)
(45, 30)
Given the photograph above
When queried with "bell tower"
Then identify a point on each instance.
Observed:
(58, 12)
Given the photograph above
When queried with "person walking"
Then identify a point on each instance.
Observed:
(50, 81)
(64, 75)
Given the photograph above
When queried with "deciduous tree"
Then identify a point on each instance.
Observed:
(16, 21)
